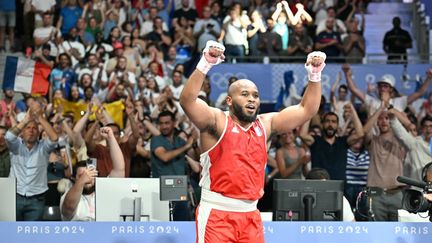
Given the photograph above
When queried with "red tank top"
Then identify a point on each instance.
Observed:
(235, 165)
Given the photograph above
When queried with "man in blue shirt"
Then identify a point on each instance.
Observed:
(29, 161)
(168, 157)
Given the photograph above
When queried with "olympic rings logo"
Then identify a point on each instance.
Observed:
(220, 80)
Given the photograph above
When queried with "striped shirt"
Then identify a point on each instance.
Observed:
(357, 167)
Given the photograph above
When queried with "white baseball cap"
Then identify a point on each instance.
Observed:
(388, 81)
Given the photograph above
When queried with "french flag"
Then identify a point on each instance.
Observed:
(26, 75)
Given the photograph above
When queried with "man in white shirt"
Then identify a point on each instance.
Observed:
(177, 85)
(78, 203)
(46, 34)
(39, 7)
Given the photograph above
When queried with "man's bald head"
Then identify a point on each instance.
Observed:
(239, 84)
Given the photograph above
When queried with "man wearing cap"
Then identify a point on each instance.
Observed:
(386, 91)
(118, 52)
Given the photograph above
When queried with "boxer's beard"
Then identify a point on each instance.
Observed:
(242, 116)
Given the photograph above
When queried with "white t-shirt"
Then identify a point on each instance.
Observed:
(176, 90)
(42, 5)
(85, 210)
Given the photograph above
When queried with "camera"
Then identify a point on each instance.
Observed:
(414, 202)
(210, 25)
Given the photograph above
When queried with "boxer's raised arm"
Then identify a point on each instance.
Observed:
(196, 109)
(294, 116)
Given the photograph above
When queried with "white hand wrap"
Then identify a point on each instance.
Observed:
(314, 73)
(207, 62)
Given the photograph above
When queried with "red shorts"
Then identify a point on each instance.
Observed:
(214, 226)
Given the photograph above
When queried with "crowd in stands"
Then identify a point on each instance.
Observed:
(118, 68)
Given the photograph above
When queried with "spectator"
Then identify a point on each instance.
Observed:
(338, 103)
(148, 25)
(396, 42)
(69, 16)
(91, 31)
(57, 169)
(300, 43)
(5, 161)
(7, 19)
(130, 52)
(43, 56)
(330, 151)
(171, 60)
(95, 70)
(137, 42)
(357, 167)
(291, 159)
(110, 23)
(354, 43)
(73, 47)
(260, 6)
(234, 33)
(386, 88)
(329, 41)
(164, 12)
(186, 11)
(168, 157)
(46, 33)
(62, 77)
(101, 153)
(120, 6)
(28, 151)
(177, 84)
(270, 43)
(417, 145)
(167, 102)
(183, 39)
(39, 8)
(281, 22)
(206, 29)
(387, 155)
(112, 63)
(94, 9)
(7, 106)
(216, 12)
(320, 8)
(159, 36)
(338, 26)
(78, 203)
(254, 30)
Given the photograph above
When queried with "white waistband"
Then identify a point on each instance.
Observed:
(218, 201)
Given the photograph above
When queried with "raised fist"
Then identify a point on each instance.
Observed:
(106, 132)
(212, 55)
(315, 63)
(213, 52)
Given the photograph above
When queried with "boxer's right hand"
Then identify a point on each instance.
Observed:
(212, 55)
